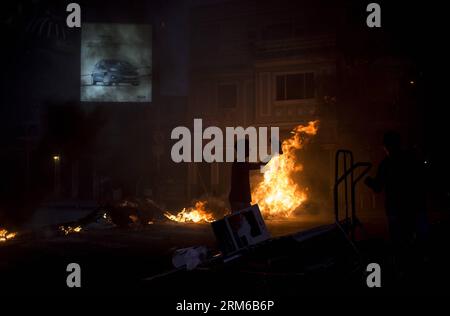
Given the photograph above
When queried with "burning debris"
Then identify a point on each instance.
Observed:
(279, 194)
(6, 235)
(70, 229)
(204, 211)
(126, 214)
(136, 212)
(195, 214)
(99, 219)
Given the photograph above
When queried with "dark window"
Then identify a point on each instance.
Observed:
(295, 86)
(281, 87)
(227, 96)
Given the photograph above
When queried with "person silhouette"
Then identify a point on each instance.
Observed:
(400, 175)
(240, 195)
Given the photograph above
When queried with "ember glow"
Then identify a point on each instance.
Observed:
(69, 229)
(279, 194)
(196, 214)
(6, 235)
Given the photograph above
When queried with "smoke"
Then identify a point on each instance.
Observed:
(217, 206)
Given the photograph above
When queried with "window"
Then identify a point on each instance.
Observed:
(227, 96)
(295, 86)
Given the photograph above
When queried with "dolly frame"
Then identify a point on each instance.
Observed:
(349, 180)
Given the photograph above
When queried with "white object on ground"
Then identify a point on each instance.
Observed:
(190, 257)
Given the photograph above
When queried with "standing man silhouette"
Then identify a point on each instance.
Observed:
(400, 175)
(240, 195)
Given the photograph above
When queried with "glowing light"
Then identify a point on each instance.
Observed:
(279, 194)
(70, 230)
(196, 214)
(6, 235)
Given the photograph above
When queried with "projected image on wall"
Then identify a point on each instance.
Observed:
(116, 63)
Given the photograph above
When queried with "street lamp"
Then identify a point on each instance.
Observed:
(57, 179)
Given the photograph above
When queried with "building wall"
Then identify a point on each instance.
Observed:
(362, 86)
(247, 46)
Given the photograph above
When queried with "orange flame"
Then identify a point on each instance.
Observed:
(278, 194)
(6, 235)
(196, 214)
(70, 229)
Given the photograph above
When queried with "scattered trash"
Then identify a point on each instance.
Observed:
(70, 229)
(134, 212)
(240, 230)
(190, 257)
(102, 222)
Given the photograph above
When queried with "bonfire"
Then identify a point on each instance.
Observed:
(278, 194)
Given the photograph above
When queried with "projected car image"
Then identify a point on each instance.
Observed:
(111, 71)
(116, 63)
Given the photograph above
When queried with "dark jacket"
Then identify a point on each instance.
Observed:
(401, 176)
(240, 181)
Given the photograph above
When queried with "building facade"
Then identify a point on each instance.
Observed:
(284, 63)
